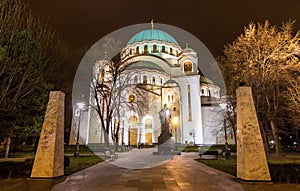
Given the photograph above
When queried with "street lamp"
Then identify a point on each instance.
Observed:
(175, 122)
(80, 107)
(225, 107)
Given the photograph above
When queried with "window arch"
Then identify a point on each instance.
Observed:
(163, 49)
(145, 49)
(188, 66)
(171, 98)
(171, 51)
(137, 50)
(209, 93)
(135, 79)
(153, 80)
(130, 52)
(144, 79)
(148, 124)
(154, 48)
(202, 91)
(133, 119)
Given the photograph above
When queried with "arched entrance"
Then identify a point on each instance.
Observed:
(148, 131)
(133, 130)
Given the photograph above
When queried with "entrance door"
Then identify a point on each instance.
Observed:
(148, 130)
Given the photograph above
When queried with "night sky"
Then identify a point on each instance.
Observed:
(214, 22)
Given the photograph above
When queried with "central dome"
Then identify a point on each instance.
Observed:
(152, 34)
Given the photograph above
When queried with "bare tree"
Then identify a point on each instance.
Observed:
(292, 96)
(259, 57)
(111, 89)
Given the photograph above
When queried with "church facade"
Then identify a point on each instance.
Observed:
(167, 75)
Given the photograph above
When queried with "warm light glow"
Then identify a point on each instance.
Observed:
(175, 120)
(131, 98)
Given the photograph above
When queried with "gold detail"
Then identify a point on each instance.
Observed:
(152, 24)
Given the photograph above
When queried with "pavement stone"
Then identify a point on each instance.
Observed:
(180, 172)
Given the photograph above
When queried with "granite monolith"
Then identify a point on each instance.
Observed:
(49, 158)
(251, 157)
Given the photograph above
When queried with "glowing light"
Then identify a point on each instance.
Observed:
(175, 120)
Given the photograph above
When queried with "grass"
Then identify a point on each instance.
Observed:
(228, 166)
(18, 161)
(77, 164)
(284, 159)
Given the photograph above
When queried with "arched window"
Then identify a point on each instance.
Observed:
(173, 99)
(130, 52)
(153, 80)
(102, 76)
(209, 94)
(137, 50)
(145, 49)
(145, 80)
(188, 66)
(148, 124)
(202, 91)
(163, 49)
(169, 98)
(133, 119)
(154, 48)
(171, 51)
(135, 80)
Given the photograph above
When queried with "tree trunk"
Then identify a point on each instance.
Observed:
(265, 139)
(276, 137)
(234, 135)
(116, 146)
(106, 140)
(6, 146)
(297, 140)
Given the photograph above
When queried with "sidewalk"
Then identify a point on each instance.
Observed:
(180, 173)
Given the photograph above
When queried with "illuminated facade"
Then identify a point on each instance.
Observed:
(169, 74)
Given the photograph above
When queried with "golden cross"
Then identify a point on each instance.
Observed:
(152, 24)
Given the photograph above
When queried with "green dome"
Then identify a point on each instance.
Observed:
(170, 83)
(205, 80)
(144, 65)
(152, 34)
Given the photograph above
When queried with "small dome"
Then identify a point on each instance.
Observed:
(152, 34)
(205, 80)
(170, 83)
(144, 65)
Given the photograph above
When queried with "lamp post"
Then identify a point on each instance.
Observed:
(122, 140)
(175, 122)
(225, 108)
(80, 106)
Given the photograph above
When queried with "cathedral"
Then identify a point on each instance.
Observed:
(164, 74)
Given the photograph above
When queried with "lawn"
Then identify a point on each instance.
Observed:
(228, 166)
(19, 164)
(283, 169)
(77, 164)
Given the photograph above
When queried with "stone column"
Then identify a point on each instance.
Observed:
(251, 157)
(49, 158)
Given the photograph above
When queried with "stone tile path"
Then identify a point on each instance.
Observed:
(180, 173)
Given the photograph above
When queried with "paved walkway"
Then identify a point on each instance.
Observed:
(180, 173)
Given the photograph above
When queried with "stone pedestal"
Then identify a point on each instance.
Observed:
(164, 137)
(251, 158)
(166, 146)
(49, 158)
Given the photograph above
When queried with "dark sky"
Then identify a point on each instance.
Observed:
(214, 22)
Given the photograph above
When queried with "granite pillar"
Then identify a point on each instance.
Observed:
(49, 158)
(251, 157)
